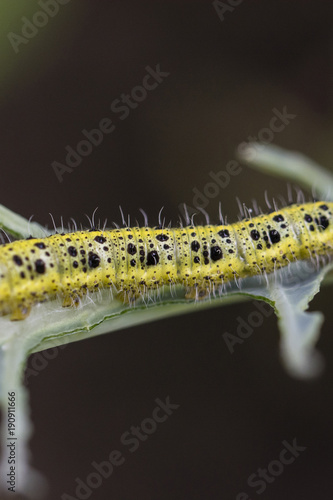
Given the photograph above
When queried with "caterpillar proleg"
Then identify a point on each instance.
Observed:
(135, 260)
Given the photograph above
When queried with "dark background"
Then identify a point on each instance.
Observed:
(225, 79)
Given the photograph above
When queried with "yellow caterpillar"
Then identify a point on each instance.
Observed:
(136, 260)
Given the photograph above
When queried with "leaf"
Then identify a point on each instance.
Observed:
(50, 325)
(290, 165)
(18, 226)
(289, 291)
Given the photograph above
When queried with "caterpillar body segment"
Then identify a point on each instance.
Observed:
(136, 260)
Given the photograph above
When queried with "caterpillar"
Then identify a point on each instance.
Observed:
(138, 259)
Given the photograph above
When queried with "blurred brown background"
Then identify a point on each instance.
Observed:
(225, 79)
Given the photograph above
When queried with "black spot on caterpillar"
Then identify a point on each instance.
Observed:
(136, 260)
